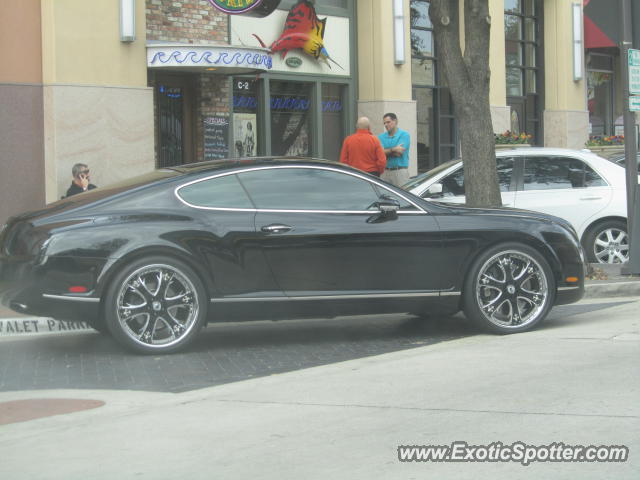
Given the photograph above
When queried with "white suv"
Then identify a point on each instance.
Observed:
(577, 185)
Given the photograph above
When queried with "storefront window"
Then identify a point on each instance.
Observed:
(290, 118)
(436, 124)
(523, 56)
(332, 120)
(600, 94)
(245, 118)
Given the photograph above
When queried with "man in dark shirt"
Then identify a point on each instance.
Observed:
(81, 181)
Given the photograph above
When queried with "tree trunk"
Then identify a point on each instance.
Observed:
(468, 79)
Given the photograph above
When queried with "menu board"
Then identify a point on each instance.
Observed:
(216, 134)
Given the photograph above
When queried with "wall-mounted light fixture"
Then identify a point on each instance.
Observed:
(127, 20)
(578, 43)
(398, 32)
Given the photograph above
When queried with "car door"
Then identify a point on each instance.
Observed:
(562, 186)
(453, 184)
(227, 242)
(322, 234)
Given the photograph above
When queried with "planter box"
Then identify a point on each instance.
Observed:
(509, 146)
(607, 150)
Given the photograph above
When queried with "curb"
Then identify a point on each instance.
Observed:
(612, 289)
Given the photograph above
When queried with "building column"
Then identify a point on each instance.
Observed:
(383, 86)
(566, 119)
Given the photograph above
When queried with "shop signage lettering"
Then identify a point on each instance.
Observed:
(244, 101)
(289, 103)
(235, 7)
(285, 103)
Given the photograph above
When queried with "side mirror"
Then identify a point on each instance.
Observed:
(434, 190)
(388, 207)
(387, 210)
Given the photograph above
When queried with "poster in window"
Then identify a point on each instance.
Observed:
(244, 134)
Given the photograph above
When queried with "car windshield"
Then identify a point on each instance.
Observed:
(420, 179)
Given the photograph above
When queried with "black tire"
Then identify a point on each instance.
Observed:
(509, 288)
(607, 242)
(155, 305)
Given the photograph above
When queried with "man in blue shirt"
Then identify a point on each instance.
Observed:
(396, 143)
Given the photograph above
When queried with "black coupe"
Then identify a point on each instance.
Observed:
(153, 259)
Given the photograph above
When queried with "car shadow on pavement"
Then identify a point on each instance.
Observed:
(222, 353)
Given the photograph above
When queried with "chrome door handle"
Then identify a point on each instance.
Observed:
(276, 228)
(590, 198)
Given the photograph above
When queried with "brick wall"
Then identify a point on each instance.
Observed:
(190, 21)
(193, 21)
(212, 99)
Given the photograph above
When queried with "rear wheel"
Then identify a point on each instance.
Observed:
(607, 242)
(510, 288)
(155, 305)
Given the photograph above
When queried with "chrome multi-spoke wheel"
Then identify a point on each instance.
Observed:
(611, 243)
(509, 289)
(155, 307)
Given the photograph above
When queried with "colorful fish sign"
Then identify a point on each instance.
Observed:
(304, 30)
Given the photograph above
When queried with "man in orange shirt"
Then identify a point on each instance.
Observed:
(363, 150)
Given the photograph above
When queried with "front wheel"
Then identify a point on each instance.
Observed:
(509, 288)
(607, 242)
(155, 305)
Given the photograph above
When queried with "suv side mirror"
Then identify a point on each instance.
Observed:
(434, 190)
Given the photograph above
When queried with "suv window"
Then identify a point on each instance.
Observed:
(546, 173)
(453, 184)
(219, 192)
(308, 189)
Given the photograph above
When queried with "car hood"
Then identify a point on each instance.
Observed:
(505, 211)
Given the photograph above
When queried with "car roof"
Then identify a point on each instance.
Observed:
(543, 151)
(231, 163)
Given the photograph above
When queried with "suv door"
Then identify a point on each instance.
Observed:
(453, 186)
(562, 186)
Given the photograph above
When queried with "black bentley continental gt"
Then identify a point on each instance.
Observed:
(153, 259)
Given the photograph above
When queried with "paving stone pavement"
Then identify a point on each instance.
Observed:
(225, 353)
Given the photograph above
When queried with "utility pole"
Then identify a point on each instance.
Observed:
(630, 145)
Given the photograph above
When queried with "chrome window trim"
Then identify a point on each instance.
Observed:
(420, 210)
(73, 299)
(330, 297)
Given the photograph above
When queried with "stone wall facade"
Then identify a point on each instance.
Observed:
(190, 21)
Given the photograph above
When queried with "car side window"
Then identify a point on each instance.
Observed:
(219, 192)
(453, 184)
(548, 173)
(307, 189)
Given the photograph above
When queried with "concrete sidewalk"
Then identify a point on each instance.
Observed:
(575, 381)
